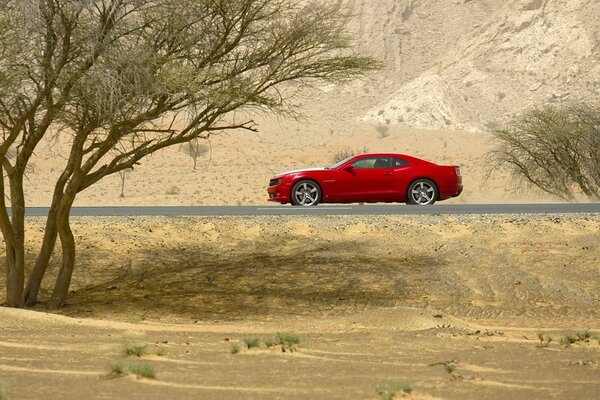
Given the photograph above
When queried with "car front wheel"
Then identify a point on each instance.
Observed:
(306, 193)
(422, 192)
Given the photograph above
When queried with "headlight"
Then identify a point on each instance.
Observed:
(274, 182)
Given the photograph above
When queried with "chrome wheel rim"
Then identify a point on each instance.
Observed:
(423, 193)
(306, 194)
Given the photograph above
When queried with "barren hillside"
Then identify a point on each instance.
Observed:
(471, 64)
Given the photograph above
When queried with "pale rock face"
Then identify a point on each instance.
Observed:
(466, 65)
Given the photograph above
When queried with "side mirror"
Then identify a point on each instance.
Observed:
(348, 167)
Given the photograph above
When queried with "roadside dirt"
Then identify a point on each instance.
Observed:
(451, 306)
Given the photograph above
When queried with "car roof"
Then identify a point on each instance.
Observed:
(403, 156)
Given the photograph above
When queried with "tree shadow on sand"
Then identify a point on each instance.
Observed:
(249, 281)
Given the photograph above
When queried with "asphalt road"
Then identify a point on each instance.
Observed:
(351, 209)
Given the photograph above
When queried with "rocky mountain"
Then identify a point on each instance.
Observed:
(471, 64)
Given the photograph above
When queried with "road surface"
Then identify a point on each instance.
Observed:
(351, 209)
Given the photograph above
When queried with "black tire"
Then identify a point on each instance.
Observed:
(305, 193)
(423, 192)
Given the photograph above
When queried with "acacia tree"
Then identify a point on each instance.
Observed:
(555, 149)
(195, 149)
(122, 79)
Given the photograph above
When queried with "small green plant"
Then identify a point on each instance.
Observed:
(583, 336)
(568, 340)
(142, 370)
(3, 390)
(287, 341)
(116, 370)
(579, 337)
(161, 351)
(252, 342)
(545, 339)
(388, 392)
(450, 367)
(137, 350)
(235, 348)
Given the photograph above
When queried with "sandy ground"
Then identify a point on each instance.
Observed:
(373, 300)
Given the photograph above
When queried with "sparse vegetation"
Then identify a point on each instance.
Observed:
(449, 367)
(389, 391)
(142, 370)
(383, 130)
(572, 338)
(287, 341)
(194, 149)
(555, 149)
(173, 191)
(348, 152)
(120, 369)
(545, 339)
(136, 350)
(116, 370)
(252, 342)
(568, 339)
(161, 351)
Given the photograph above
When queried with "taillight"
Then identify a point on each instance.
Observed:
(457, 169)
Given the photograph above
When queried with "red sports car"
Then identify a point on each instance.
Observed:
(368, 178)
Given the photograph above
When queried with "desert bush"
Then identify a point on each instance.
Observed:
(389, 391)
(383, 130)
(116, 370)
(347, 152)
(287, 341)
(234, 349)
(173, 191)
(545, 339)
(573, 338)
(252, 342)
(555, 149)
(142, 370)
(136, 350)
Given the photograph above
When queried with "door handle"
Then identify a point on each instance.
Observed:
(387, 173)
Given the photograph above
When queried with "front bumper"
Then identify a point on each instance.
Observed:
(279, 193)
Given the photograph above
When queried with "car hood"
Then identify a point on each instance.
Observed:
(298, 171)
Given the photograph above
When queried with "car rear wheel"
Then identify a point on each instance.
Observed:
(306, 193)
(422, 192)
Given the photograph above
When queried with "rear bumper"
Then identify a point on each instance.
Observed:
(458, 192)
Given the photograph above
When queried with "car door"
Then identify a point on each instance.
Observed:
(366, 179)
(400, 178)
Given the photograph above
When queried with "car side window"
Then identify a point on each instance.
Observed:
(372, 162)
(398, 162)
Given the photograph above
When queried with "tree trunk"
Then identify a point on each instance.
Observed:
(43, 260)
(15, 244)
(38, 272)
(67, 240)
(14, 276)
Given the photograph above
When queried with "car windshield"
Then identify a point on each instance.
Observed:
(337, 164)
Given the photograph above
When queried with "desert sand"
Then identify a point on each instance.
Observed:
(448, 306)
